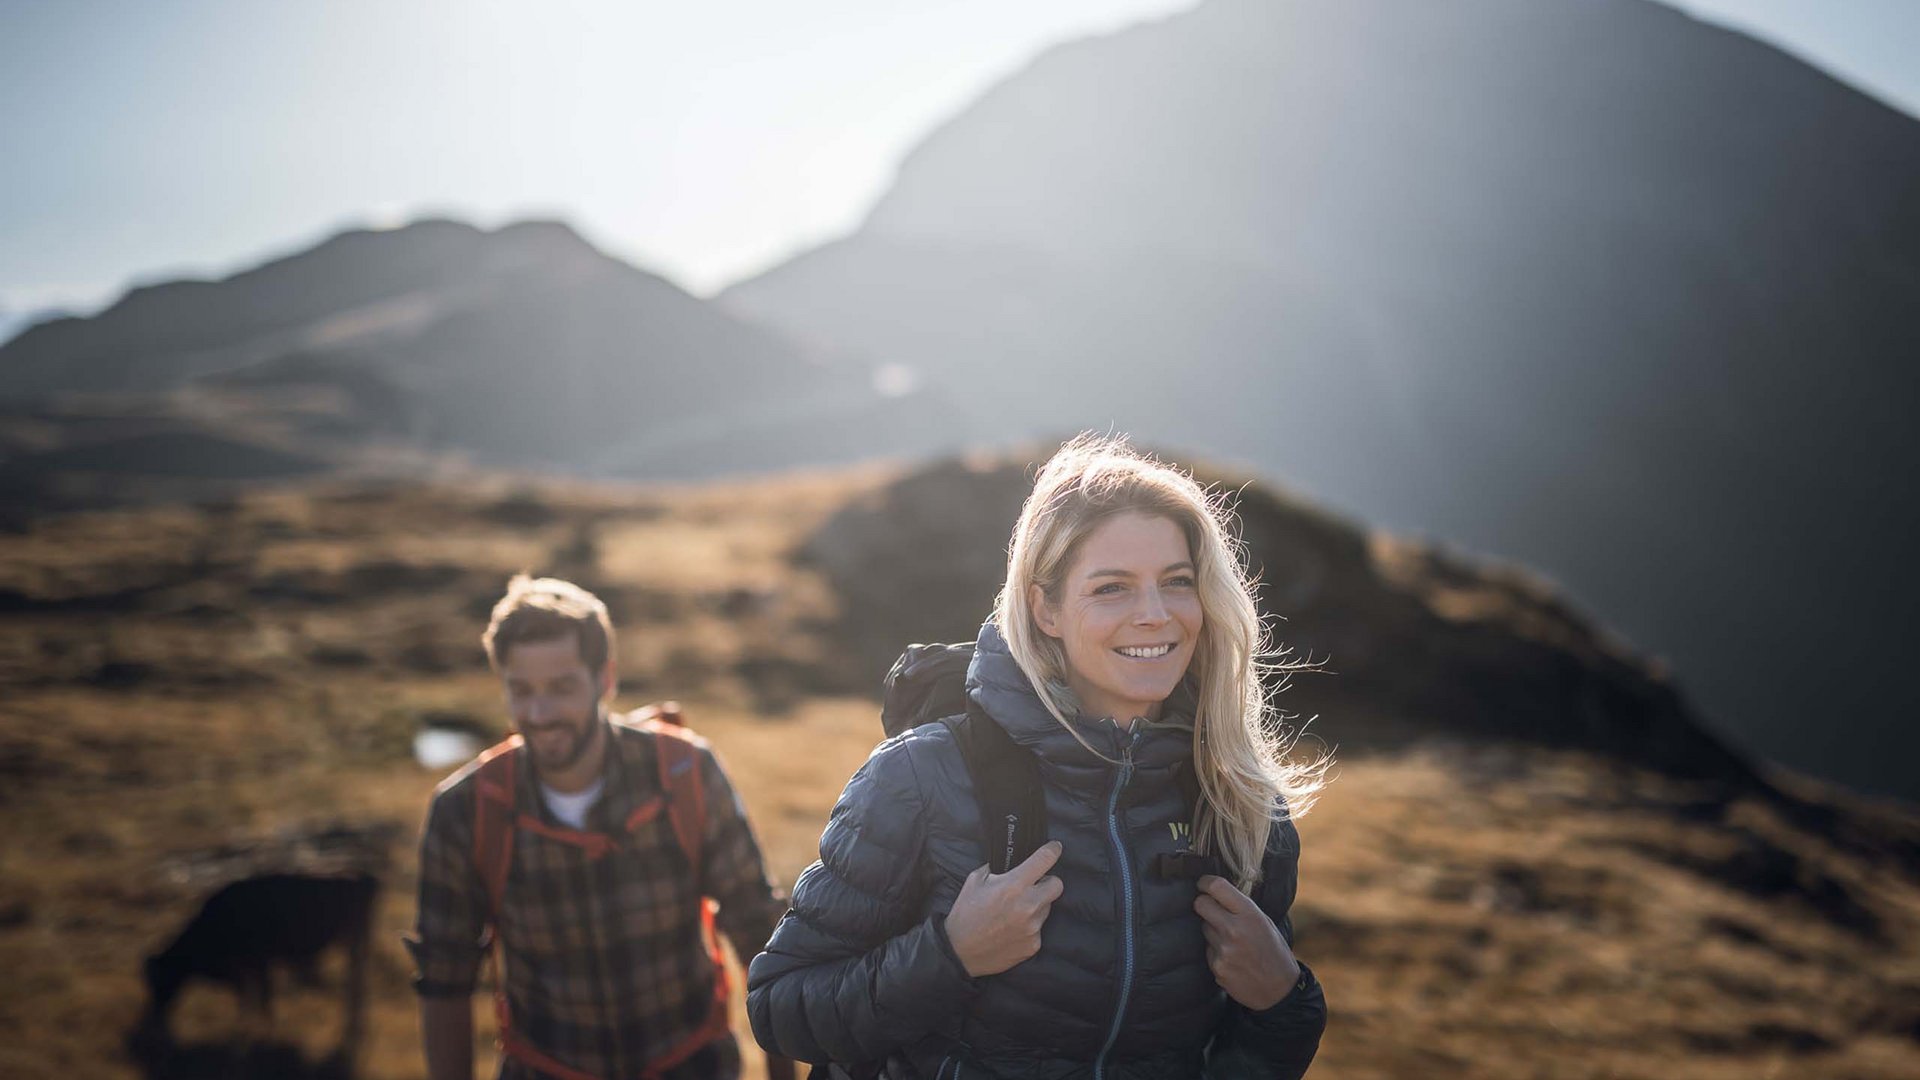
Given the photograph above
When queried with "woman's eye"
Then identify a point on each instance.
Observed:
(1108, 589)
(1180, 581)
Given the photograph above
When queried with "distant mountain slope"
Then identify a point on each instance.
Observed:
(1590, 284)
(159, 335)
(523, 347)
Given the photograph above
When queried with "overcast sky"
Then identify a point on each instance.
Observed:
(704, 141)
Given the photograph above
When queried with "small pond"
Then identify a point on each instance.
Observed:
(438, 747)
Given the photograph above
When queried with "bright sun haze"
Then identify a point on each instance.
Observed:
(702, 141)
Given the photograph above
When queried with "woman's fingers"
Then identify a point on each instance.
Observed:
(1245, 952)
(1224, 894)
(1050, 888)
(996, 919)
(1037, 864)
(1211, 911)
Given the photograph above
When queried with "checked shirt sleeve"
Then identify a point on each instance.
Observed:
(446, 940)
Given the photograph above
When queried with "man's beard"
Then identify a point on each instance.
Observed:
(568, 755)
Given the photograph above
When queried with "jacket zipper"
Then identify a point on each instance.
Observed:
(1126, 901)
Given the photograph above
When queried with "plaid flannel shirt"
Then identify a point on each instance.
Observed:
(605, 963)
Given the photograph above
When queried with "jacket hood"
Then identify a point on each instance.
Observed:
(998, 687)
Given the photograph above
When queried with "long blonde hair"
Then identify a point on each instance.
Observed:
(1241, 749)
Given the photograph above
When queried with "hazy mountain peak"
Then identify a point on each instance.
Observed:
(1587, 283)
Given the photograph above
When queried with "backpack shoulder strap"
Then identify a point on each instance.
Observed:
(677, 752)
(1006, 784)
(1189, 784)
(495, 806)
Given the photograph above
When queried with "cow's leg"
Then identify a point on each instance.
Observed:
(251, 992)
(266, 1001)
(354, 997)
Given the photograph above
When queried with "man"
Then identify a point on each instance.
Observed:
(593, 848)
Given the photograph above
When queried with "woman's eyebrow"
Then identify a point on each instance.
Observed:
(1170, 568)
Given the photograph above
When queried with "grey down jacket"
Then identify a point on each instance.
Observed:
(860, 970)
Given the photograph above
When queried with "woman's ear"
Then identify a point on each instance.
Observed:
(1044, 616)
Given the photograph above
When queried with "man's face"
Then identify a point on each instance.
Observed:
(554, 700)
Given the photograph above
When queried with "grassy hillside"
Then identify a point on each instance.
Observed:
(189, 693)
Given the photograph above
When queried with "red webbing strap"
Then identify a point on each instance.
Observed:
(596, 845)
(529, 1055)
(677, 752)
(496, 819)
(493, 818)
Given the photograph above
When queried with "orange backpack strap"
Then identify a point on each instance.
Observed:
(496, 816)
(495, 806)
(677, 751)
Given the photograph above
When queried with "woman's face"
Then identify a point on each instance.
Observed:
(1128, 616)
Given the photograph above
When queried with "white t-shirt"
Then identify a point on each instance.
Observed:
(572, 807)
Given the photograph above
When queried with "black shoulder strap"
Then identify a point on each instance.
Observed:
(1006, 784)
(1189, 782)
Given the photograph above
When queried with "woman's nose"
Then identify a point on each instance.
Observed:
(1152, 609)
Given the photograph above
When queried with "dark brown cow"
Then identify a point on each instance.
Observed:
(253, 924)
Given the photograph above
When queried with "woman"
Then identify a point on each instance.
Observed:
(1124, 651)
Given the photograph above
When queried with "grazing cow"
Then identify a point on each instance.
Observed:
(257, 922)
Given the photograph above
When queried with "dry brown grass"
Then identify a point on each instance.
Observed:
(1509, 914)
(174, 683)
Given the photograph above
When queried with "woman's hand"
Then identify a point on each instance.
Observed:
(995, 922)
(1249, 958)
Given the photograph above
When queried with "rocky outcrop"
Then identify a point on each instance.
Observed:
(1413, 642)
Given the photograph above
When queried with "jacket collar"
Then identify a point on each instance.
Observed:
(997, 686)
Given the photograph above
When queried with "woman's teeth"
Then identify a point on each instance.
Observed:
(1144, 652)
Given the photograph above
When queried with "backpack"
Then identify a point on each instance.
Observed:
(683, 797)
(929, 683)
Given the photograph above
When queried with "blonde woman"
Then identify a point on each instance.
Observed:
(1123, 655)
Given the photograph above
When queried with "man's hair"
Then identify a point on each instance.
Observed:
(547, 609)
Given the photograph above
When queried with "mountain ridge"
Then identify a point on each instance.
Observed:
(517, 346)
